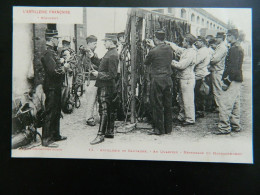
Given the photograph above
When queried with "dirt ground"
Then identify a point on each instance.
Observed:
(197, 137)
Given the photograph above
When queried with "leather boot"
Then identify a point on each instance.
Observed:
(110, 127)
(101, 131)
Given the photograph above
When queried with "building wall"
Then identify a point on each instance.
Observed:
(22, 57)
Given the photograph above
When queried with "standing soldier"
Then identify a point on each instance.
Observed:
(218, 65)
(91, 62)
(201, 74)
(105, 82)
(54, 76)
(160, 58)
(229, 105)
(186, 76)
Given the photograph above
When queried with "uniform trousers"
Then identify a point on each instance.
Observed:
(186, 100)
(161, 102)
(91, 96)
(217, 85)
(106, 107)
(51, 124)
(201, 100)
(229, 108)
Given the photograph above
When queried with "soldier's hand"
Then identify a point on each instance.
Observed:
(67, 65)
(173, 45)
(167, 42)
(95, 73)
(174, 62)
(62, 60)
(90, 53)
(150, 42)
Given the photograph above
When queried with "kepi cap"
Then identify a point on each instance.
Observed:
(66, 39)
(110, 36)
(121, 34)
(233, 32)
(200, 38)
(51, 33)
(220, 35)
(190, 38)
(160, 34)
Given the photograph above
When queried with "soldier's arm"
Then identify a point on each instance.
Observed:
(185, 61)
(95, 61)
(235, 63)
(178, 50)
(218, 55)
(112, 69)
(148, 59)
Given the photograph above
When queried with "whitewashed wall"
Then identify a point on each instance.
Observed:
(22, 57)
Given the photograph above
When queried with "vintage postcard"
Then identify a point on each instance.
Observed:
(163, 84)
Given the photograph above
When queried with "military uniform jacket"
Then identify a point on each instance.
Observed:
(218, 58)
(51, 62)
(202, 62)
(160, 59)
(234, 61)
(187, 61)
(107, 71)
(88, 61)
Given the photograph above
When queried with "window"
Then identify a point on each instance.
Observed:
(198, 19)
(218, 27)
(183, 13)
(202, 22)
(192, 18)
(210, 25)
(214, 26)
(207, 24)
(52, 26)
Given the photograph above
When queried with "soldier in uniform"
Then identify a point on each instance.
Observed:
(201, 74)
(186, 76)
(105, 82)
(229, 104)
(160, 58)
(218, 65)
(90, 62)
(54, 76)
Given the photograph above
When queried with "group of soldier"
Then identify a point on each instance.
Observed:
(101, 83)
(208, 71)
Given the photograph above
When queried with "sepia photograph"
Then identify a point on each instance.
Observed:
(159, 84)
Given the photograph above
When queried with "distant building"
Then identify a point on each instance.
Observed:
(202, 22)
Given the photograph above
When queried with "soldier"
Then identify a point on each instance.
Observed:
(229, 104)
(54, 76)
(186, 76)
(201, 74)
(218, 65)
(91, 62)
(160, 58)
(105, 82)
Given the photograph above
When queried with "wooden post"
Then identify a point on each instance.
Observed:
(133, 63)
